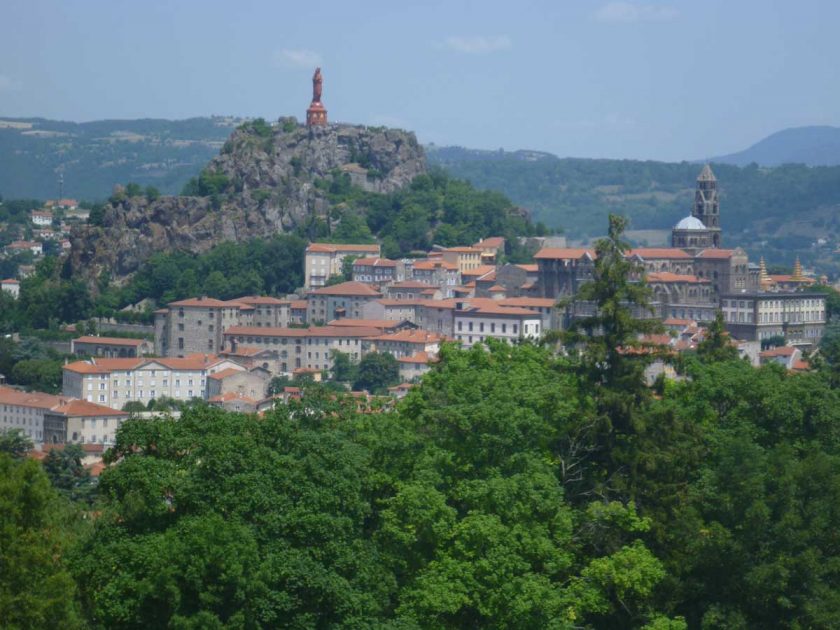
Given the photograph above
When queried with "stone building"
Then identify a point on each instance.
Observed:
(798, 317)
(701, 229)
(196, 325)
(375, 270)
(340, 300)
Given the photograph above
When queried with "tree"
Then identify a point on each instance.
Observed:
(152, 193)
(376, 372)
(36, 589)
(15, 443)
(717, 345)
(67, 473)
(343, 369)
(133, 190)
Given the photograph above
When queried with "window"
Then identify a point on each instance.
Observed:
(180, 343)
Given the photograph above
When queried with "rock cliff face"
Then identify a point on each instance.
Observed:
(264, 182)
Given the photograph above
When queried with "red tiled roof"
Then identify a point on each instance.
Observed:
(10, 281)
(675, 321)
(374, 262)
(297, 305)
(659, 252)
(222, 374)
(463, 250)
(564, 253)
(417, 357)
(410, 336)
(338, 247)
(347, 288)
(526, 302)
(716, 253)
(385, 324)
(499, 310)
(78, 408)
(260, 299)
(530, 268)
(491, 242)
(205, 302)
(479, 271)
(111, 341)
(781, 351)
(313, 331)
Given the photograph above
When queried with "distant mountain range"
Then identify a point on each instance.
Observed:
(812, 146)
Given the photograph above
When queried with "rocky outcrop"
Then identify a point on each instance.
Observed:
(263, 182)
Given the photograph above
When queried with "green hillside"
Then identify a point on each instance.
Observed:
(780, 211)
(94, 156)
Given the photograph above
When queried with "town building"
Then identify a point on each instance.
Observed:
(404, 343)
(295, 348)
(324, 260)
(340, 300)
(492, 248)
(115, 382)
(45, 418)
(375, 270)
(466, 258)
(17, 247)
(10, 286)
(110, 347)
(41, 217)
(412, 290)
(797, 317)
(415, 366)
(477, 323)
(252, 383)
(267, 311)
(437, 273)
(196, 325)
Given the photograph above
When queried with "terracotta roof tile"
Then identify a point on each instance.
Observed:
(348, 288)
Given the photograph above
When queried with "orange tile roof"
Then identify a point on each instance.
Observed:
(410, 336)
(385, 324)
(222, 374)
(659, 252)
(529, 302)
(111, 341)
(228, 396)
(9, 281)
(374, 262)
(298, 305)
(781, 351)
(348, 288)
(479, 271)
(530, 268)
(39, 400)
(431, 265)
(205, 302)
(339, 247)
(417, 357)
(260, 299)
(491, 242)
(83, 408)
(716, 253)
(103, 366)
(499, 310)
(312, 331)
(564, 253)
(497, 288)
(675, 321)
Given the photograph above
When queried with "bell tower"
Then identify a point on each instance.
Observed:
(707, 204)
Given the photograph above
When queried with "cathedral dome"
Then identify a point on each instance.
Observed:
(690, 223)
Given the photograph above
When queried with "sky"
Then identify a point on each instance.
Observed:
(668, 80)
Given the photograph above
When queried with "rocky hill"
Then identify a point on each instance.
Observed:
(266, 179)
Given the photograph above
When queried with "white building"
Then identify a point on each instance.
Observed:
(45, 418)
(11, 286)
(475, 324)
(323, 260)
(114, 382)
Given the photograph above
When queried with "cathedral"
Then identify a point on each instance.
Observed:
(700, 229)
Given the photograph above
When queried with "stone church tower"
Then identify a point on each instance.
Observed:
(707, 203)
(701, 229)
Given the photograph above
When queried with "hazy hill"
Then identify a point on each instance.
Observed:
(813, 146)
(94, 156)
(778, 212)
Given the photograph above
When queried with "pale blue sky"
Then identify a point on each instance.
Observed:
(661, 80)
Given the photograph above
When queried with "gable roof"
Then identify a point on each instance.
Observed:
(564, 253)
(111, 341)
(659, 252)
(330, 248)
(204, 301)
(348, 288)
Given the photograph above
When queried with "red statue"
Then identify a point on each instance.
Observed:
(316, 115)
(317, 81)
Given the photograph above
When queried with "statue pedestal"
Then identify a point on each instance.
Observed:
(316, 115)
